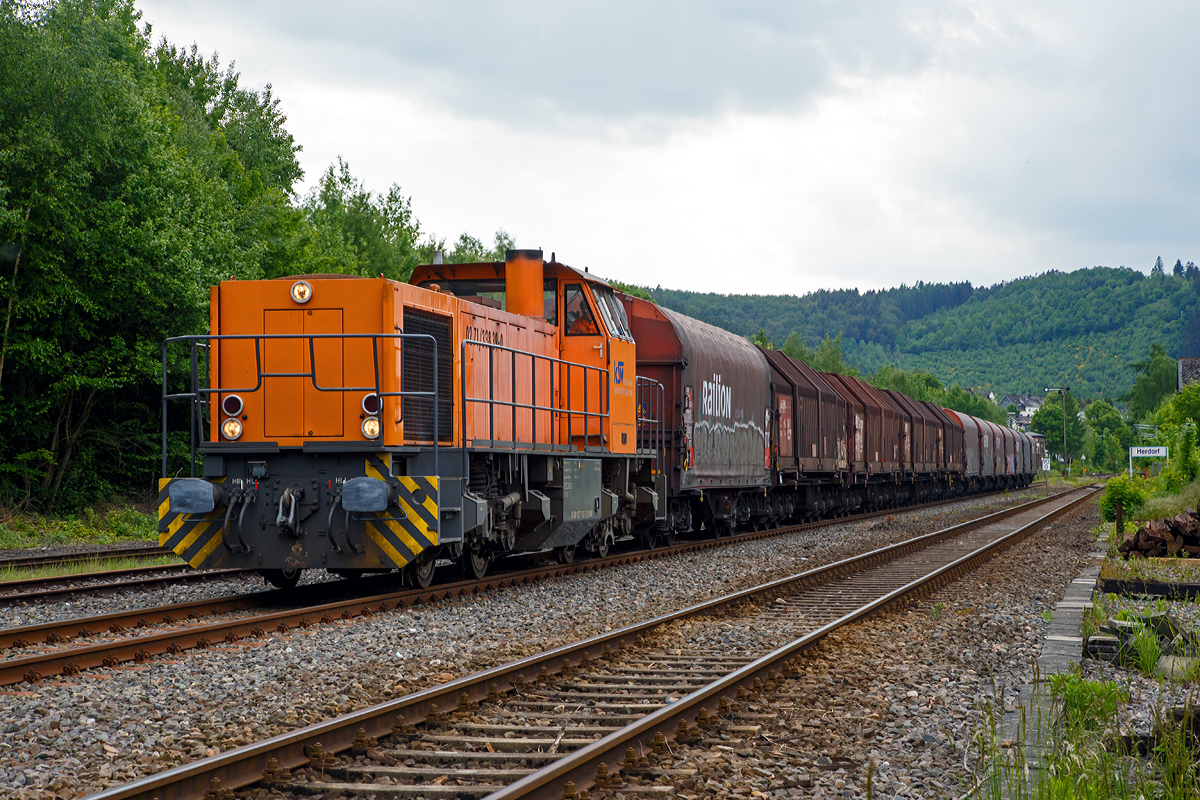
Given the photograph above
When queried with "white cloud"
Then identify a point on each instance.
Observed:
(731, 152)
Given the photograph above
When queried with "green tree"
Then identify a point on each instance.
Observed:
(354, 231)
(1113, 455)
(1188, 466)
(630, 289)
(795, 348)
(827, 357)
(1130, 494)
(1112, 435)
(1157, 269)
(760, 339)
(1156, 378)
(471, 250)
(1104, 418)
(918, 385)
(1048, 421)
(1181, 406)
(121, 206)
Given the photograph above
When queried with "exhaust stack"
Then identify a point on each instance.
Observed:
(523, 283)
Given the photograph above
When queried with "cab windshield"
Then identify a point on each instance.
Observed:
(613, 312)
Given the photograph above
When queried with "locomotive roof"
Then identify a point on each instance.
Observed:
(498, 265)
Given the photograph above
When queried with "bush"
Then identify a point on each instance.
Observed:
(1130, 493)
(1188, 464)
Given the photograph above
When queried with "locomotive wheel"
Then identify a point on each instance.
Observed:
(669, 537)
(422, 571)
(602, 547)
(282, 578)
(475, 564)
(565, 555)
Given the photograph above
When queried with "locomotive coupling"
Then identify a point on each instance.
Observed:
(194, 496)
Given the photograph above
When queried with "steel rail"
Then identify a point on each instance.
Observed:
(251, 763)
(109, 653)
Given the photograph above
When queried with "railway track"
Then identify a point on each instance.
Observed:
(105, 581)
(607, 712)
(67, 647)
(83, 555)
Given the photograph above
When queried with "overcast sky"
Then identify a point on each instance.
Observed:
(751, 147)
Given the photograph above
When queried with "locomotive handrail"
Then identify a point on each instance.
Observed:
(556, 413)
(199, 395)
(649, 396)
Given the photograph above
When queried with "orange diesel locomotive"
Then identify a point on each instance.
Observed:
(360, 425)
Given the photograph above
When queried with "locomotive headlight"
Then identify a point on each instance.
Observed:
(231, 428)
(301, 291)
(370, 427)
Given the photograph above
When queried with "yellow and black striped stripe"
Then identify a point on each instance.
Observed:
(403, 533)
(194, 538)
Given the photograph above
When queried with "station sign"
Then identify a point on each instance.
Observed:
(1148, 452)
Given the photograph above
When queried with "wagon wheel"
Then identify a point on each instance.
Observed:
(285, 578)
(565, 555)
(423, 570)
(475, 564)
(650, 538)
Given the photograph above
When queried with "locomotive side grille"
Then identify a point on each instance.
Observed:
(416, 375)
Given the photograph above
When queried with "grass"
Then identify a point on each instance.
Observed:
(1082, 757)
(1148, 649)
(1172, 505)
(82, 567)
(1086, 705)
(118, 523)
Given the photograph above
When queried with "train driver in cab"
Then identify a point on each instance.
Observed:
(580, 321)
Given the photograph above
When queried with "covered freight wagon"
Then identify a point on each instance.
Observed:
(717, 409)
(950, 443)
(811, 418)
(973, 454)
(923, 437)
(882, 429)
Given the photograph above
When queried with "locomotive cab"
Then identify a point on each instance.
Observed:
(592, 330)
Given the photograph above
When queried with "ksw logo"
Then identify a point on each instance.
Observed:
(620, 372)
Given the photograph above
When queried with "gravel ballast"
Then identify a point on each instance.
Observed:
(905, 691)
(69, 738)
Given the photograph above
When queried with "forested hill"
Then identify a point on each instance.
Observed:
(1081, 328)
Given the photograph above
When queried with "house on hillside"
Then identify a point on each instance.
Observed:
(1188, 369)
(1026, 405)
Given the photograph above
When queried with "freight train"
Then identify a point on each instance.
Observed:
(363, 425)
